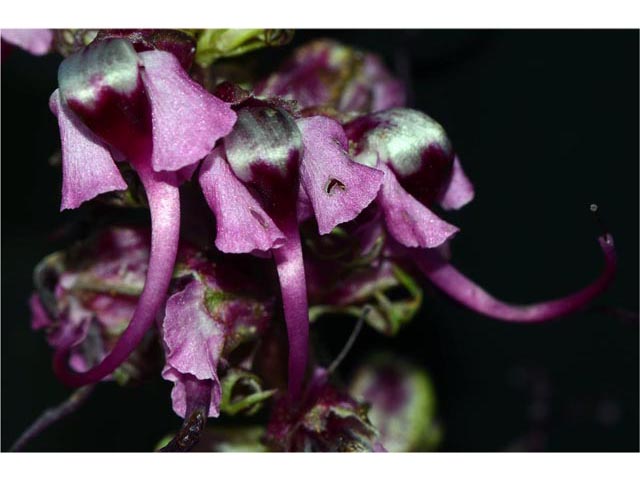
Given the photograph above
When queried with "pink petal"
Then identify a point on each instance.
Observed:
(194, 343)
(409, 221)
(242, 225)
(339, 188)
(445, 276)
(39, 316)
(187, 120)
(459, 191)
(36, 41)
(87, 166)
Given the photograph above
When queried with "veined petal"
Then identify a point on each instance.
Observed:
(87, 166)
(242, 225)
(459, 191)
(194, 344)
(409, 221)
(187, 120)
(36, 41)
(452, 282)
(339, 188)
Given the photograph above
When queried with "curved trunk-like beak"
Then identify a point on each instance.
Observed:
(290, 266)
(164, 203)
(448, 279)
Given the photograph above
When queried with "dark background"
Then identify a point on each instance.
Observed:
(545, 122)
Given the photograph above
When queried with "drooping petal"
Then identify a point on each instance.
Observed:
(446, 277)
(409, 221)
(36, 41)
(459, 191)
(194, 344)
(339, 188)
(290, 266)
(87, 166)
(187, 120)
(242, 225)
(39, 316)
(164, 203)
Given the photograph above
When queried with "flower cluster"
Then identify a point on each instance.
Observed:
(323, 191)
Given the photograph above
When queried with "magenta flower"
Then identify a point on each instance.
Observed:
(214, 310)
(401, 401)
(86, 296)
(141, 107)
(328, 74)
(253, 184)
(326, 420)
(36, 41)
(421, 169)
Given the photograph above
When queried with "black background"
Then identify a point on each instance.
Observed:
(545, 122)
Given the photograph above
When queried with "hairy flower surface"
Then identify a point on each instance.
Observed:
(116, 103)
(253, 183)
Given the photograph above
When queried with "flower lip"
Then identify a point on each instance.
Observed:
(413, 145)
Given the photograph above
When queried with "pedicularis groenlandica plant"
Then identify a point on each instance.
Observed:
(313, 190)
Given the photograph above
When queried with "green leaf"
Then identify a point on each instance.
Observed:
(214, 44)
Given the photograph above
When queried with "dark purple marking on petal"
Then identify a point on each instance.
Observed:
(445, 276)
(102, 85)
(88, 168)
(414, 146)
(428, 182)
(264, 150)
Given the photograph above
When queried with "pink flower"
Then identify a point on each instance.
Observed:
(116, 104)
